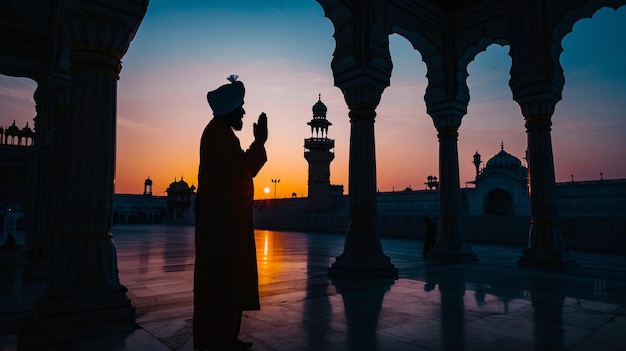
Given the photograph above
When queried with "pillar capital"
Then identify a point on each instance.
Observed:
(363, 92)
(447, 119)
(92, 32)
(538, 105)
(96, 42)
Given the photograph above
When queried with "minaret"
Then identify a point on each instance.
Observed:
(147, 187)
(318, 153)
(477, 163)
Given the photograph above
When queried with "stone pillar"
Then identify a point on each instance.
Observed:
(451, 245)
(363, 255)
(545, 246)
(84, 290)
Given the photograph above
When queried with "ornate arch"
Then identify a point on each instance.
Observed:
(361, 61)
(430, 56)
(470, 54)
(340, 17)
(571, 17)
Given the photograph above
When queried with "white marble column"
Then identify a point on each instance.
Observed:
(363, 255)
(84, 289)
(451, 245)
(545, 246)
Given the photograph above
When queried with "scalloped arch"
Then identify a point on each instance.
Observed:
(570, 18)
(430, 56)
(339, 16)
(469, 55)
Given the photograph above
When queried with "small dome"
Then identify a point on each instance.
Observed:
(148, 181)
(178, 185)
(183, 184)
(504, 160)
(319, 109)
(12, 130)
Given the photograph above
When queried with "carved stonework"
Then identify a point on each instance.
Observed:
(95, 33)
(539, 106)
(537, 122)
(534, 69)
(447, 121)
(362, 94)
(97, 42)
(360, 23)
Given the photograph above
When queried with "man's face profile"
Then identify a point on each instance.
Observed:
(235, 119)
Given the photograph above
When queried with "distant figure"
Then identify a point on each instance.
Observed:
(431, 235)
(226, 276)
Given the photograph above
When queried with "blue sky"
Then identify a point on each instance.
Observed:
(282, 51)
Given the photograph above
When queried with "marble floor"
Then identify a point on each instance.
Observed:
(486, 305)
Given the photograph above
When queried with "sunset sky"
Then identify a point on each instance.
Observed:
(282, 50)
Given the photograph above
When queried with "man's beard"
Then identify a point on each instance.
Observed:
(237, 125)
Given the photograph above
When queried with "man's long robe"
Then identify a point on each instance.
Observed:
(225, 276)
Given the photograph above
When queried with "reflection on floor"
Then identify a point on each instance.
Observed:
(486, 305)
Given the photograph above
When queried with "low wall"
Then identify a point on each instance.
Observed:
(605, 234)
(312, 222)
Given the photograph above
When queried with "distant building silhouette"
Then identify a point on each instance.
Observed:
(13, 135)
(176, 207)
(138, 208)
(432, 182)
(477, 163)
(495, 210)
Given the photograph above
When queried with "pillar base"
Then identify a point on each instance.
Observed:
(538, 257)
(451, 254)
(353, 269)
(91, 313)
(88, 293)
(363, 257)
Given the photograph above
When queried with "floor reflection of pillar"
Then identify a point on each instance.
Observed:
(316, 301)
(452, 294)
(547, 298)
(362, 304)
(452, 313)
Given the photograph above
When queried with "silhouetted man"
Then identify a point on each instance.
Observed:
(225, 276)
(431, 236)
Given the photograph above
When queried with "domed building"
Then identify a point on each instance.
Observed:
(181, 200)
(501, 186)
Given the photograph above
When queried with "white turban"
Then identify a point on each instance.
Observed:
(226, 98)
